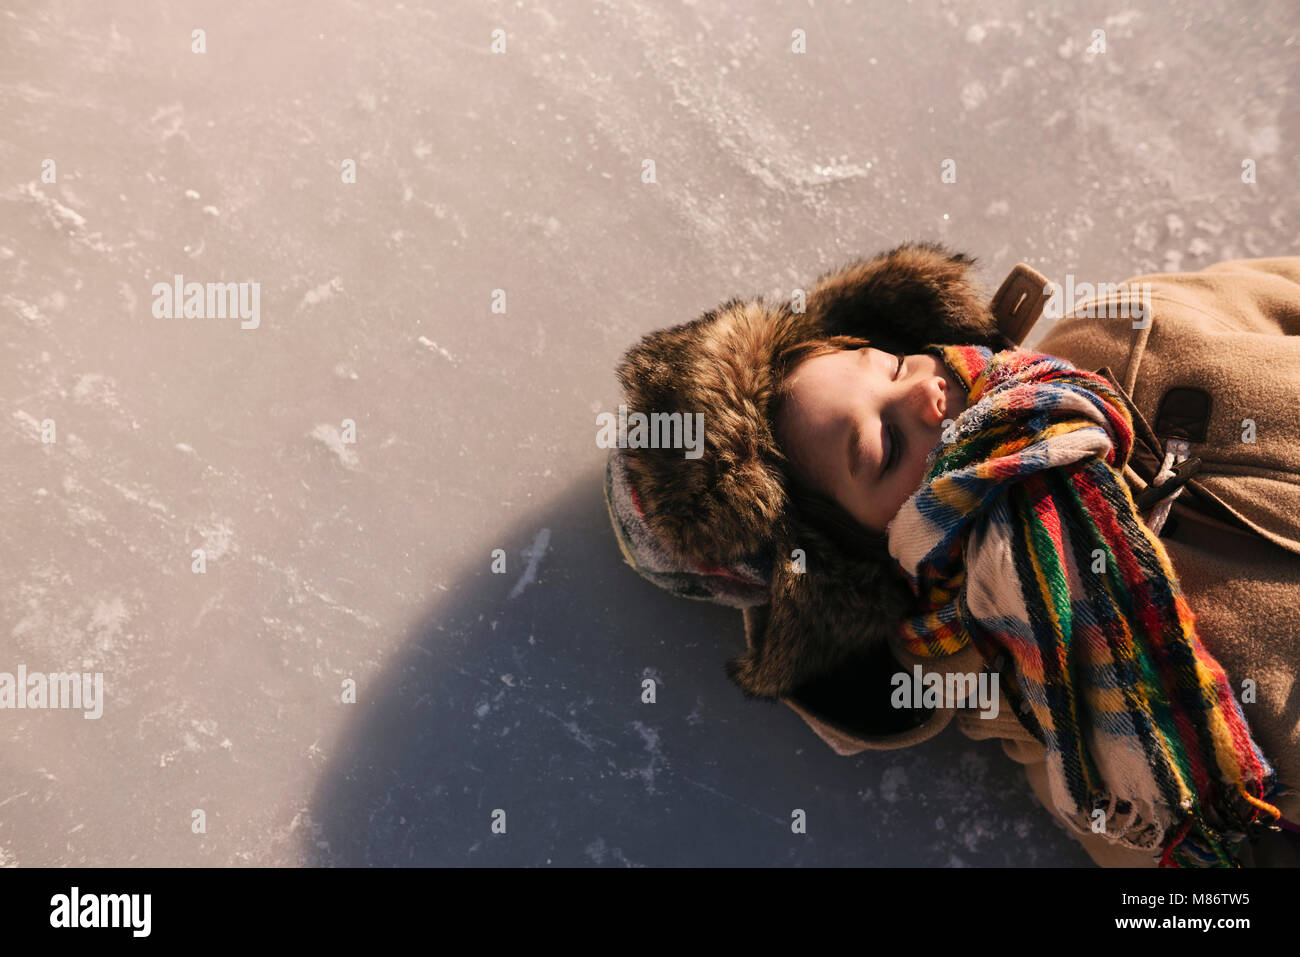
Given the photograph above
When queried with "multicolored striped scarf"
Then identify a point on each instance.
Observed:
(1025, 539)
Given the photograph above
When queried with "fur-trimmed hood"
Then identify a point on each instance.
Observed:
(732, 501)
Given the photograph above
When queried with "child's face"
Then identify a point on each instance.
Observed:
(839, 422)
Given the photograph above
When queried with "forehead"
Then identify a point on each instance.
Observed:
(815, 374)
(811, 417)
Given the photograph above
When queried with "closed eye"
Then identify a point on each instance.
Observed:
(855, 436)
(893, 449)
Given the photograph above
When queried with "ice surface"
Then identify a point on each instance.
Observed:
(339, 553)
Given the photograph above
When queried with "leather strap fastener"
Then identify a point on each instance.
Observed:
(1019, 302)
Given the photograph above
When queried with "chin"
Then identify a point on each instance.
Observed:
(921, 467)
(918, 476)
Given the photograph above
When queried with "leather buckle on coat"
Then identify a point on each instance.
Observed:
(1183, 472)
(1019, 302)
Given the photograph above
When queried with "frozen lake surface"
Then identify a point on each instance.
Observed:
(345, 469)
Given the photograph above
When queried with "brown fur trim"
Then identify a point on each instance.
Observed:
(838, 607)
(727, 503)
(913, 295)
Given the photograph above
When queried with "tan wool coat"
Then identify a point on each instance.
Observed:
(1210, 359)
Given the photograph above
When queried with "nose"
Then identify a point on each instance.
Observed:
(929, 400)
